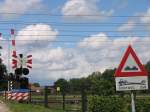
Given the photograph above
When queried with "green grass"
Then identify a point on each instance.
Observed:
(18, 107)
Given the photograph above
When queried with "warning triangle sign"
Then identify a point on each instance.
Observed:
(130, 65)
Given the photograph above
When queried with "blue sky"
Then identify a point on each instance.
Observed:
(73, 38)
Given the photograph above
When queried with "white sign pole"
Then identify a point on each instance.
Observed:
(133, 102)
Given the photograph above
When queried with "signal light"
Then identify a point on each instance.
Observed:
(25, 71)
(18, 71)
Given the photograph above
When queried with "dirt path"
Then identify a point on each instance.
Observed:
(3, 107)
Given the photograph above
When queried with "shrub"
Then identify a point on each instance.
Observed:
(143, 105)
(107, 104)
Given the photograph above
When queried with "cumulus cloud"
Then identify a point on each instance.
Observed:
(31, 34)
(17, 6)
(101, 40)
(78, 9)
(94, 41)
(124, 41)
(127, 26)
(145, 17)
(139, 21)
(70, 65)
(111, 48)
(50, 54)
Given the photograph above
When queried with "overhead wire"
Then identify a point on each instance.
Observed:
(73, 30)
(79, 35)
(71, 24)
(86, 15)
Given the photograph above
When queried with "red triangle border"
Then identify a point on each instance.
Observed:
(119, 73)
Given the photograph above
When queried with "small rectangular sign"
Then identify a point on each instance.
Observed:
(131, 83)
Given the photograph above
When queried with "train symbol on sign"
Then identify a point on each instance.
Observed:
(125, 82)
(128, 68)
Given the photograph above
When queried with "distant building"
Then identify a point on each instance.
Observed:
(36, 89)
(52, 89)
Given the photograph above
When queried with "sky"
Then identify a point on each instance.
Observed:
(73, 38)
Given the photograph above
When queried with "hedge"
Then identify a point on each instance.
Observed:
(143, 105)
(117, 104)
(108, 104)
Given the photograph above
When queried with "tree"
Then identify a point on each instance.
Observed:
(96, 83)
(102, 83)
(3, 76)
(36, 84)
(147, 66)
(75, 85)
(3, 71)
(63, 84)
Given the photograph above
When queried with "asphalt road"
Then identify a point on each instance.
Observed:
(3, 107)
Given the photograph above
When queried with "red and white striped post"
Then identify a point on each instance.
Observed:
(14, 54)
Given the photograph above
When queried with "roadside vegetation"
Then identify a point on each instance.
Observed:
(20, 107)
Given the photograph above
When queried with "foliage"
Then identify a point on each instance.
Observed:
(117, 104)
(75, 83)
(3, 76)
(147, 66)
(63, 84)
(3, 71)
(36, 84)
(97, 83)
(103, 84)
(107, 104)
(142, 105)
(18, 107)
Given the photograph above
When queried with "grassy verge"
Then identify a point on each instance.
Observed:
(18, 107)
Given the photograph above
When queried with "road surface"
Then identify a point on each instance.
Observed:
(3, 107)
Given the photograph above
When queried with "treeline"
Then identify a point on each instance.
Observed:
(96, 83)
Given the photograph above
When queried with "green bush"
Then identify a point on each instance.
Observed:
(142, 105)
(107, 104)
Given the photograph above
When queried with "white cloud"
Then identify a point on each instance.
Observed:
(124, 41)
(78, 9)
(70, 65)
(127, 26)
(101, 40)
(50, 54)
(94, 41)
(17, 6)
(112, 48)
(32, 33)
(145, 17)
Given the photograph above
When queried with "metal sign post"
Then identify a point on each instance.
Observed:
(133, 102)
